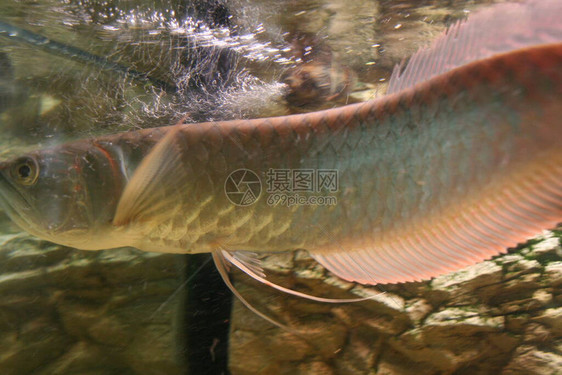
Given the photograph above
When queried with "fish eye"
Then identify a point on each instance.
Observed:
(25, 171)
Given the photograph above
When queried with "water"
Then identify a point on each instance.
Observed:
(98, 67)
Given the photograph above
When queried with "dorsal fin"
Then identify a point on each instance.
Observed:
(498, 29)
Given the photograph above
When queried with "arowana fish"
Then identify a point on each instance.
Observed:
(461, 160)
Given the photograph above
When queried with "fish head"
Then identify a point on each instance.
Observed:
(66, 195)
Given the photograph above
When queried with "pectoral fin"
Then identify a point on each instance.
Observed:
(249, 263)
(156, 183)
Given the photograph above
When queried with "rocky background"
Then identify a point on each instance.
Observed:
(64, 311)
(502, 316)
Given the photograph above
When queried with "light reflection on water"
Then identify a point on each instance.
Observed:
(181, 47)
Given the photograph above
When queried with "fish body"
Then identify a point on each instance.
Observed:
(431, 178)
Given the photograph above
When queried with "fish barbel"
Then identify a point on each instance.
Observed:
(461, 160)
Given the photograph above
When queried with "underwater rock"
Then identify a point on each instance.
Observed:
(499, 316)
(318, 78)
(30, 345)
(64, 311)
(418, 309)
(532, 361)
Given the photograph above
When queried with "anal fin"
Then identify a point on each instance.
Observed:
(466, 233)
